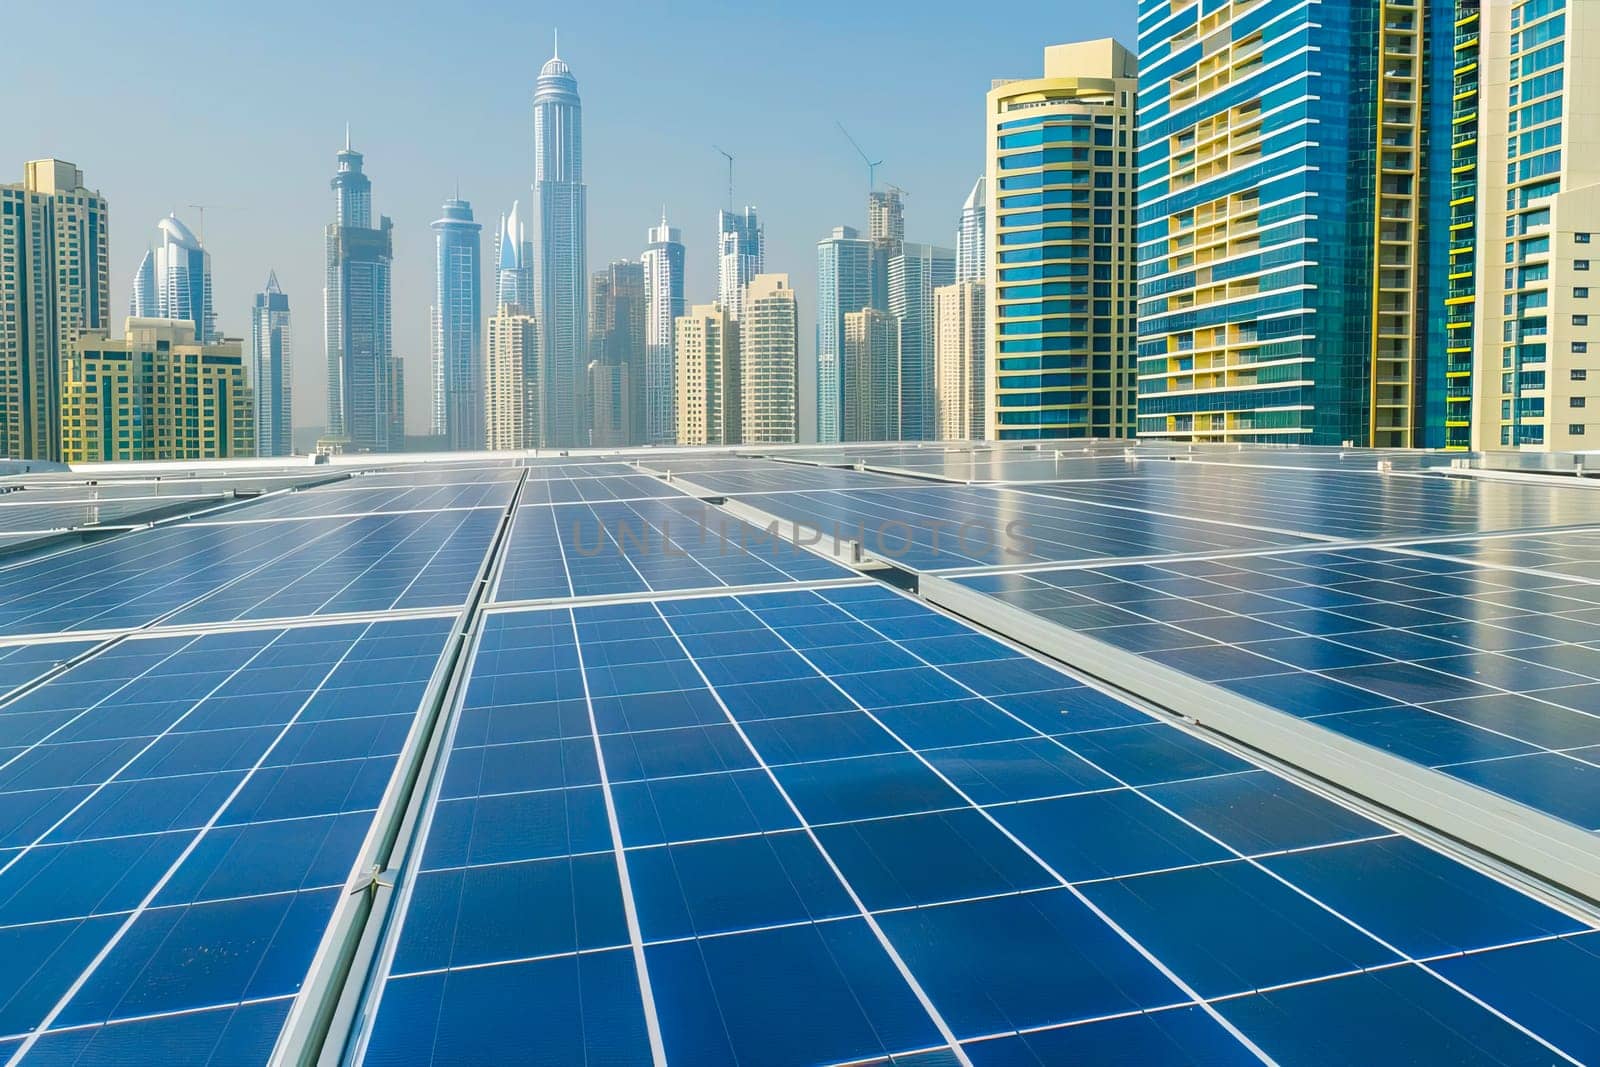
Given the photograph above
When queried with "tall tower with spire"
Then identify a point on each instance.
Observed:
(366, 386)
(560, 243)
(663, 286)
(272, 362)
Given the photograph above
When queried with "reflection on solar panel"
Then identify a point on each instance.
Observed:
(645, 546)
(554, 759)
(1486, 674)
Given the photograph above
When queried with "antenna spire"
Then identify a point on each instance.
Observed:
(556, 50)
(347, 137)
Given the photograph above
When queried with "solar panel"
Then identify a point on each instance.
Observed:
(178, 817)
(697, 794)
(700, 826)
(1485, 674)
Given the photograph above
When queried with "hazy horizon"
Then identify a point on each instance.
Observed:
(242, 109)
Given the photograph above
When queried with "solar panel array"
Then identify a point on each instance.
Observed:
(647, 782)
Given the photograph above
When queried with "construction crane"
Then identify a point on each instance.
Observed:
(872, 164)
(729, 158)
(202, 209)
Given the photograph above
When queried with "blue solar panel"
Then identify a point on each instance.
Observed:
(1487, 674)
(945, 527)
(577, 490)
(645, 546)
(21, 664)
(279, 569)
(178, 818)
(670, 821)
(1339, 503)
(354, 497)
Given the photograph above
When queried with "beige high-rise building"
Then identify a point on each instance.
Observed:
(512, 398)
(55, 282)
(1535, 372)
(958, 355)
(155, 393)
(871, 376)
(706, 358)
(769, 363)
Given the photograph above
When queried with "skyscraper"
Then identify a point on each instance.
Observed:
(972, 234)
(707, 367)
(886, 228)
(1460, 314)
(457, 323)
(1060, 275)
(663, 281)
(958, 357)
(366, 387)
(513, 257)
(914, 273)
(1536, 376)
(54, 283)
(769, 363)
(618, 314)
(173, 280)
(560, 238)
(741, 255)
(513, 406)
(184, 398)
(1293, 257)
(142, 302)
(844, 284)
(871, 376)
(272, 365)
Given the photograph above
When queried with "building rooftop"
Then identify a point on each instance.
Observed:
(978, 754)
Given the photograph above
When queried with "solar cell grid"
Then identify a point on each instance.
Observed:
(1489, 675)
(945, 527)
(725, 840)
(1339, 503)
(178, 823)
(576, 490)
(645, 545)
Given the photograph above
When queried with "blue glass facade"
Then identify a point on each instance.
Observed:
(1293, 220)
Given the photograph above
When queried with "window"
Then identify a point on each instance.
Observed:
(1580, 320)
(1581, 293)
(1579, 374)
(1580, 264)
(1578, 402)
(1575, 429)
(1580, 346)
(1581, 238)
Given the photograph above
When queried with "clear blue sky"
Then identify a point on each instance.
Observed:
(243, 106)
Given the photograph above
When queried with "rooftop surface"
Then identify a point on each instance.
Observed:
(930, 755)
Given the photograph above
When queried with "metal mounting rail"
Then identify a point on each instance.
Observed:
(324, 1011)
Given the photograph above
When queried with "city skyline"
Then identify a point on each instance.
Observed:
(792, 163)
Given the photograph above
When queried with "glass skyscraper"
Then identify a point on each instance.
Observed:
(272, 368)
(844, 285)
(560, 238)
(457, 325)
(663, 283)
(971, 234)
(173, 280)
(513, 257)
(914, 273)
(366, 386)
(741, 255)
(1293, 223)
